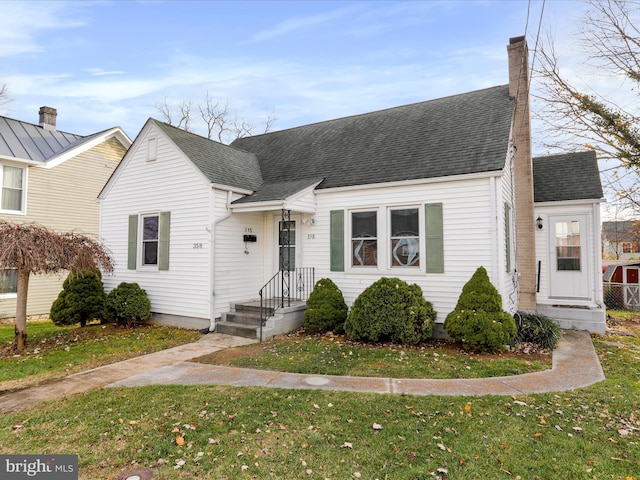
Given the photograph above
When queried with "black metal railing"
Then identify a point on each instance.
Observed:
(284, 286)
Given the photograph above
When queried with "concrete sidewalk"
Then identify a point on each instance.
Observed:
(575, 365)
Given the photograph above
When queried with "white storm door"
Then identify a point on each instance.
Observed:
(568, 259)
(287, 251)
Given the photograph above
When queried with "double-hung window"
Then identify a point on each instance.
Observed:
(148, 242)
(12, 188)
(8, 281)
(150, 225)
(364, 239)
(405, 237)
(390, 237)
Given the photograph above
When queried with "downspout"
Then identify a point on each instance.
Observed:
(495, 268)
(597, 258)
(212, 255)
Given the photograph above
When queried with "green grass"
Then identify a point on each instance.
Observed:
(53, 351)
(331, 355)
(238, 433)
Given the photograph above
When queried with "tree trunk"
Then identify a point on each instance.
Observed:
(20, 341)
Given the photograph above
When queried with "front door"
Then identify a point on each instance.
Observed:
(287, 255)
(569, 266)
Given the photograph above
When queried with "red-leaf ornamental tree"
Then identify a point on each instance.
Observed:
(34, 249)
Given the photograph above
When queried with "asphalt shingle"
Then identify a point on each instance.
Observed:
(461, 134)
(569, 176)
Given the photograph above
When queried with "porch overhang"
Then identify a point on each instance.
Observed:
(275, 205)
(296, 196)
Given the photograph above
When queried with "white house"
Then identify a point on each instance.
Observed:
(426, 192)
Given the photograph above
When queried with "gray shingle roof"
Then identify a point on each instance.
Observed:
(26, 141)
(219, 163)
(570, 176)
(461, 134)
(278, 190)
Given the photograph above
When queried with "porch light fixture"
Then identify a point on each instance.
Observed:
(539, 223)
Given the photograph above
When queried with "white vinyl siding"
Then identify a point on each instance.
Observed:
(171, 184)
(467, 236)
(239, 275)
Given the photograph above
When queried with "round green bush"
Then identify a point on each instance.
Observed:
(478, 319)
(127, 304)
(81, 299)
(326, 309)
(391, 310)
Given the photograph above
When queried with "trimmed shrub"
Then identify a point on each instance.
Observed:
(127, 304)
(326, 309)
(536, 328)
(391, 310)
(478, 319)
(81, 299)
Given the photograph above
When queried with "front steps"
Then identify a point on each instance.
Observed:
(244, 320)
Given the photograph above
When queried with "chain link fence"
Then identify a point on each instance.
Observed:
(621, 296)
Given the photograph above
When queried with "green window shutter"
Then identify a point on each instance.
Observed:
(132, 242)
(163, 241)
(434, 237)
(507, 239)
(336, 236)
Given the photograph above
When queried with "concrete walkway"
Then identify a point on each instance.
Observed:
(575, 365)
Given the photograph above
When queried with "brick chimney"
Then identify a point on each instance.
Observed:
(48, 118)
(523, 172)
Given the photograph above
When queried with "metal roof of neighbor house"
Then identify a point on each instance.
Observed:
(461, 134)
(218, 162)
(26, 141)
(570, 176)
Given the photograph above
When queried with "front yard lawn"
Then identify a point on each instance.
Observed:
(217, 432)
(54, 352)
(334, 355)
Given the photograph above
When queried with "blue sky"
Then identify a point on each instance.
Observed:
(106, 63)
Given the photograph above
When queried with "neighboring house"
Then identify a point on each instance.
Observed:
(52, 178)
(621, 240)
(426, 192)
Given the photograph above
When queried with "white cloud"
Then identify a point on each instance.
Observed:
(23, 22)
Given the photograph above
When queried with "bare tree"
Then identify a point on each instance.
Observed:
(4, 94)
(217, 120)
(579, 117)
(34, 249)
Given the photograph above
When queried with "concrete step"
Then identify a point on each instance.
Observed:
(247, 318)
(238, 329)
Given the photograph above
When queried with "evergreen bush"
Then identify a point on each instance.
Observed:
(127, 304)
(478, 319)
(81, 299)
(391, 310)
(326, 308)
(536, 328)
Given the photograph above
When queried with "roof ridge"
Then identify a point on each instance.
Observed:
(38, 126)
(382, 110)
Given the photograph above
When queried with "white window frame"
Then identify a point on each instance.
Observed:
(351, 238)
(420, 238)
(23, 204)
(9, 294)
(142, 241)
